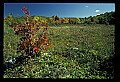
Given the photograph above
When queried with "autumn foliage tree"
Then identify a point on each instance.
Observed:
(30, 44)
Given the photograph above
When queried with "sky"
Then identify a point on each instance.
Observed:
(80, 10)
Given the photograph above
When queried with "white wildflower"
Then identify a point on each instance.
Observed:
(45, 53)
(75, 48)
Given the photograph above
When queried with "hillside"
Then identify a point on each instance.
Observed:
(76, 52)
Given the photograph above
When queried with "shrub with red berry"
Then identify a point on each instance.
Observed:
(30, 44)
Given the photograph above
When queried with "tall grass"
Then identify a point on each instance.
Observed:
(10, 43)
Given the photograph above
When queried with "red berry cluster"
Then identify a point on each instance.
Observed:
(26, 11)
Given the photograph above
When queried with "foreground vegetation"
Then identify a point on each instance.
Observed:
(77, 51)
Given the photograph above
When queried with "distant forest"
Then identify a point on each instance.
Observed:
(107, 18)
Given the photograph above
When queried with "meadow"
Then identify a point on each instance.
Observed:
(77, 51)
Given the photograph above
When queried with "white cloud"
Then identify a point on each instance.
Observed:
(97, 10)
(86, 6)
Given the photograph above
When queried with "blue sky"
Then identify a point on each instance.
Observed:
(60, 9)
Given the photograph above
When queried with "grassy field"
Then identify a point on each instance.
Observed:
(77, 51)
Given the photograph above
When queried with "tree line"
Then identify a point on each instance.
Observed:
(107, 18)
